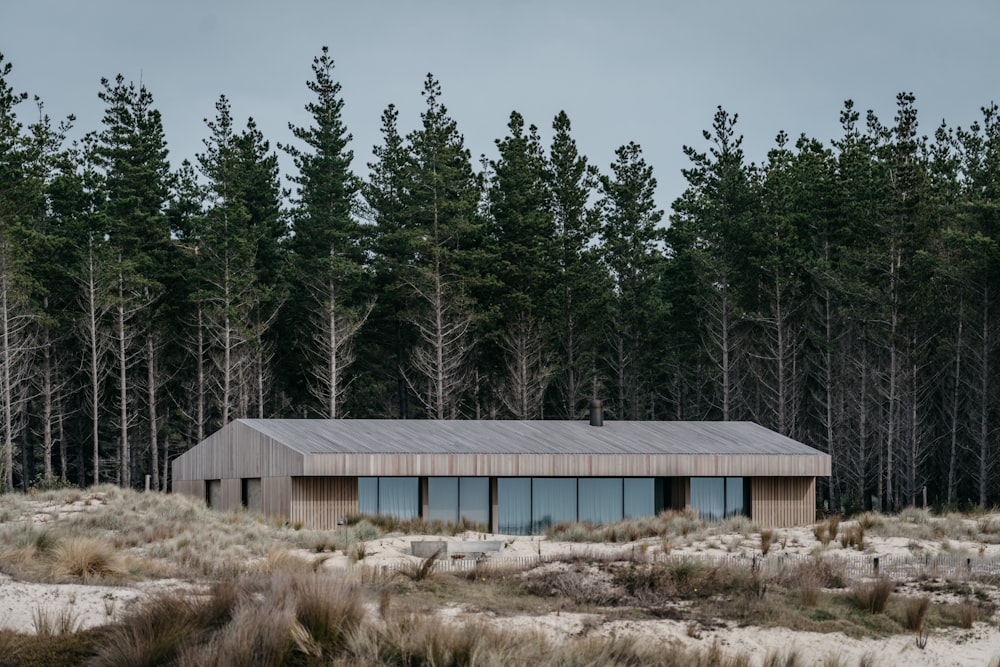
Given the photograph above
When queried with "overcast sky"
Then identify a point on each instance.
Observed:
(650, 71)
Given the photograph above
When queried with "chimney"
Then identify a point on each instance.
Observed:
(596, 412)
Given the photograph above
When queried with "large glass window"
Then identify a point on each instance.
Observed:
(399, 497)
(718, 497)
(368, 495)
(474, 499)
(734, 497)
(553, 500)
(442, 498)
(640, 497)
(514, 505)
(600, 499)
(708, 497)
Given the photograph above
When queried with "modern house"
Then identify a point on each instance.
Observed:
(512, 477)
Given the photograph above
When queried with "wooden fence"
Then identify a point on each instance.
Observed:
(855, 567)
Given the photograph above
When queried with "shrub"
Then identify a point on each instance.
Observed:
(833, 526)
(423, 569)
(853, 536)
(873, 596)
(968, 613)
(85, 559)
(329, 609)
(915, 611)
(766, 537)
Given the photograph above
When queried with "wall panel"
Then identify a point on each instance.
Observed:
(780, 502)
(320, 502)
(276, 496)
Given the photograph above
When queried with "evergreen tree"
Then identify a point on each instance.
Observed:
(631, 242)
(329, 245)
(521, 231)
(580, 280)
(131, 151)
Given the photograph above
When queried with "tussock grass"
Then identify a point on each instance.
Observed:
(968, 613)
(384, 523)
(873, 596)
(916, 612)
(766, 538)
(86, 559)
(52, 624)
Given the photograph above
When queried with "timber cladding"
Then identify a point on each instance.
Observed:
(321, 502)
(780, 502)
(555, 465)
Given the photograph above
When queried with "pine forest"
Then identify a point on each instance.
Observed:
(844, 293)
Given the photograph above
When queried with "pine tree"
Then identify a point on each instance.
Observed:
(131, 151)
(521, 230)
(329, 245)
(631, 244)
(18, 200)
(441, 204)
(580, 280)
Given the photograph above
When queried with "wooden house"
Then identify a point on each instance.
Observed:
(511, 477)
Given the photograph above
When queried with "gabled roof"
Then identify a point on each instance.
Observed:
(384, 447)
(399, 436)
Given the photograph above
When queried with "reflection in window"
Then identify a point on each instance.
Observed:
(553, 500)
(442, 498)
(514, 505)
(474, 499)
(600, 499)
(640, 497)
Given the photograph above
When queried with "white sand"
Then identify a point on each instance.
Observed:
(22, 603)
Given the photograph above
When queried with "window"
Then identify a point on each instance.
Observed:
(553, 500)
(442, 498)
(399, 497)
(716, 498)
(394, 496)
(514, 505)
(600, 499)
(368, 495)
(250, 494)
(213, 493)
(474, 499)
(640, 497)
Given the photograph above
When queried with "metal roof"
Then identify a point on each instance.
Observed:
(398, 436)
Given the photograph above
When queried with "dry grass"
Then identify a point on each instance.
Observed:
(766, 538)
(873, 596)
(86, 559)
(52, 624)
(968, 613)
(916, 612)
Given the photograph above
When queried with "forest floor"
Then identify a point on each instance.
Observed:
(75, 564)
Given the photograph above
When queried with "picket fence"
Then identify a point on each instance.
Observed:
(945, 566)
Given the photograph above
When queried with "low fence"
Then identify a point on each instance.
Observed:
(945, 566)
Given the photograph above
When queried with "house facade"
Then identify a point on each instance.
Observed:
(510, 477)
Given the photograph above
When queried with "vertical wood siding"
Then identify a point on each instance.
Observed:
(780, 502)
(235, 452)
(232, 494)
(276, 496)
(319, 502)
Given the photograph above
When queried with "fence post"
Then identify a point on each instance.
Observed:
(968, 564)
(875, 565)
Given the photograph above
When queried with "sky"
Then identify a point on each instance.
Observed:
(649, 71)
